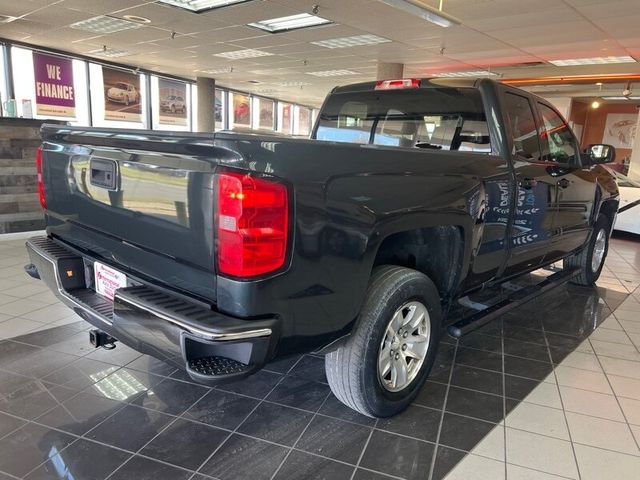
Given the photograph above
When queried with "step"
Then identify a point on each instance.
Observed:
(18, 170)
(17, 162)
(30, 197)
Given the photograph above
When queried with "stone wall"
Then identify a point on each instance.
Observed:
(19, 206)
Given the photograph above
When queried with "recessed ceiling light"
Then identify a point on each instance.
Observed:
(291, 84)
(292, 22)
(426, 12)
(198, 6)
(592, 61)
(470, 73)
(7, 19)
(136, 19)
(355, 41)
(109, 52)
(332, 73)
(246, 53)
(104, 24)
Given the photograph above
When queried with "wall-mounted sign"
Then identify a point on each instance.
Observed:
(121, 95)
(173, 102)
(55, 95)
(620, 129)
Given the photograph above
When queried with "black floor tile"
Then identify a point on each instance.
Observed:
(432, 395)
(477, 379)
(80, 414)
(14, 351)
(480, 341)
(257, 385)
(120, 356)
(399, 456)
(75, 344)
(475, 404)
(463, 433)
(40, 363)
(523, 367)
(26, 448)
(81, 373)
(185, 444)
(130, 428)
(518, 387)
(81, 460)
(140, 468)
(10, 382)
(299, 393)
(171, 396)
(242, 458)
(283, 365)
(473, 357)
(302, 466)
(446, 459)
(222, 409)
(43, 338)
(362, 474)
(276, 423)
(416, 422)
(152, 365)
(335, 439)
(310, 368)
(524, 334)
(533, 351)
(336, 409)
(35, 398)
(8, 424)
(125, 385)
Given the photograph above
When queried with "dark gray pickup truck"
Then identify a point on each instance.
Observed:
(222, 252)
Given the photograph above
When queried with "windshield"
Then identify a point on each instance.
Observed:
(434, 118)
(122, 86)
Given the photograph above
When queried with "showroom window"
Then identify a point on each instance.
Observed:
(523, 127)
(285, 114)
(49, 86)
(302, 124)
(3, 80)
(221, 109)
(118, 97)
(170, 104)
(264, 113)
(240, 112)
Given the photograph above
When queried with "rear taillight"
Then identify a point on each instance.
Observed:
(252, 225)
(43, 202)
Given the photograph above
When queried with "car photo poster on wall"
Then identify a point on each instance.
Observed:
(121, 95)
(172, 96)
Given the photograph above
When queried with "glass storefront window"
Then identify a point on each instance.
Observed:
(285, 112)
(264, 113)
(3, 81)
(220, 109)
(302, 125)
(118, 97)
(170, 101)
(60, 91)
(240, 113)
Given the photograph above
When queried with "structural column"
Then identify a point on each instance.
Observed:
(634, 163)
(206, 104)
(390, 71)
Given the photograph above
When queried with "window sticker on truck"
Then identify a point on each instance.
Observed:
(108, 280)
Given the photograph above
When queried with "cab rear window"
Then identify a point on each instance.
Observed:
(431, 118)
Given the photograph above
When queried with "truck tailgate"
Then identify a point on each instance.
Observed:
(142, 203)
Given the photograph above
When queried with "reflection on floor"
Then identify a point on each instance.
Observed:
(539, 394)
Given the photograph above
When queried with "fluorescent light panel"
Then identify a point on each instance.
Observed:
(217, 71)
(355, 41)
(470, 73)
(198, 6)
(246, 53)
(104, 24)
(332, 73)
(592, 61)
(621, 98)
(426, 12)
(292, 22)
(291, 84)
(109, 52)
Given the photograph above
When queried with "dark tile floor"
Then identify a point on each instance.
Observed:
(70, 412)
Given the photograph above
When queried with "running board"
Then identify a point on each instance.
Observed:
(481, 318)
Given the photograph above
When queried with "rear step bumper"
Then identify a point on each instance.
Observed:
(210, 346)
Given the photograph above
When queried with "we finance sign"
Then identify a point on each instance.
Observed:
(55, 95)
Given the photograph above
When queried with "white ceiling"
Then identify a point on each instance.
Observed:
(499, 35)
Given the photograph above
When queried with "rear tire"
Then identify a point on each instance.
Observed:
(590, 259)
(399, 322)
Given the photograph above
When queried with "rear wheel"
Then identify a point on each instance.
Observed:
(591, 259)
(385, 362)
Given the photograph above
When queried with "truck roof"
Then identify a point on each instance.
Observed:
(431, 82)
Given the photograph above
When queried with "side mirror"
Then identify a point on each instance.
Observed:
(601, 153)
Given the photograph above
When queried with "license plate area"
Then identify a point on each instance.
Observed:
(107, 280)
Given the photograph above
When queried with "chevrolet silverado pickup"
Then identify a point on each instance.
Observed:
(222, 252)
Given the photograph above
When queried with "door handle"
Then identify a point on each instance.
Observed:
(528, 183)
(563, 183)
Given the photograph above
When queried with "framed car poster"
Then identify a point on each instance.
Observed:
(172, 97)
(122, 98)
